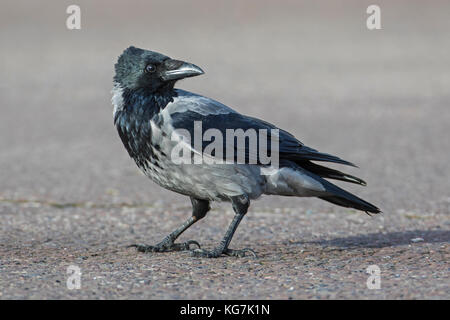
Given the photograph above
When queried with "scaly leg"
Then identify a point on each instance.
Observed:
(240, 206)
(199, 210)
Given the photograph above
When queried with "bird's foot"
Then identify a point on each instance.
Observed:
(215, 253)
(166, 246)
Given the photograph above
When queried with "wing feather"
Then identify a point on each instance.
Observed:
(188, 108)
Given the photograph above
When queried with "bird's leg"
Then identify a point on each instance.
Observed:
(199, 210)
(240, 206)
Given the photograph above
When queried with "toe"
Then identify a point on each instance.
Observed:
(143, 248)
(241, 253)
(193, 242)
(205, 253)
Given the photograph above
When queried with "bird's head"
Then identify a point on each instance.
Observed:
(143, 69)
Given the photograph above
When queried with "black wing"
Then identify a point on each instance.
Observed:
(189, 108)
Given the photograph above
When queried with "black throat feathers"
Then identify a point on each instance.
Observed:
(133, 122)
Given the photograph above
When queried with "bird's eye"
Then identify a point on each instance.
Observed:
(150, 68)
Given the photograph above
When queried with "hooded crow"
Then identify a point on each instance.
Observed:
(156, 123)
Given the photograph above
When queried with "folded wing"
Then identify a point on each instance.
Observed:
(188, 108)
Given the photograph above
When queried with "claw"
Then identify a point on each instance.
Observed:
(189, 242)
(183, 246)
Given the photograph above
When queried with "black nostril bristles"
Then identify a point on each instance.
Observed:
(173, 64)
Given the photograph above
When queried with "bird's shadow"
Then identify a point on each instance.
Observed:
(382, 240)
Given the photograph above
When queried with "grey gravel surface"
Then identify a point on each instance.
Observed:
(69, 194)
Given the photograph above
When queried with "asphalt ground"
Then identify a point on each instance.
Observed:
(71, 196)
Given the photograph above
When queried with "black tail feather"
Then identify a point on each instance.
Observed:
(329, 173)
(359, 204)
(343, 198)
(306, 153)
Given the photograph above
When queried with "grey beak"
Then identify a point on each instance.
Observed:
(179, 69)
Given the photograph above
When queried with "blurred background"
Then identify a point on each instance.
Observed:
(377, 98)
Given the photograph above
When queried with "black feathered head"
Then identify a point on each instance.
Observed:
(143, 69)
